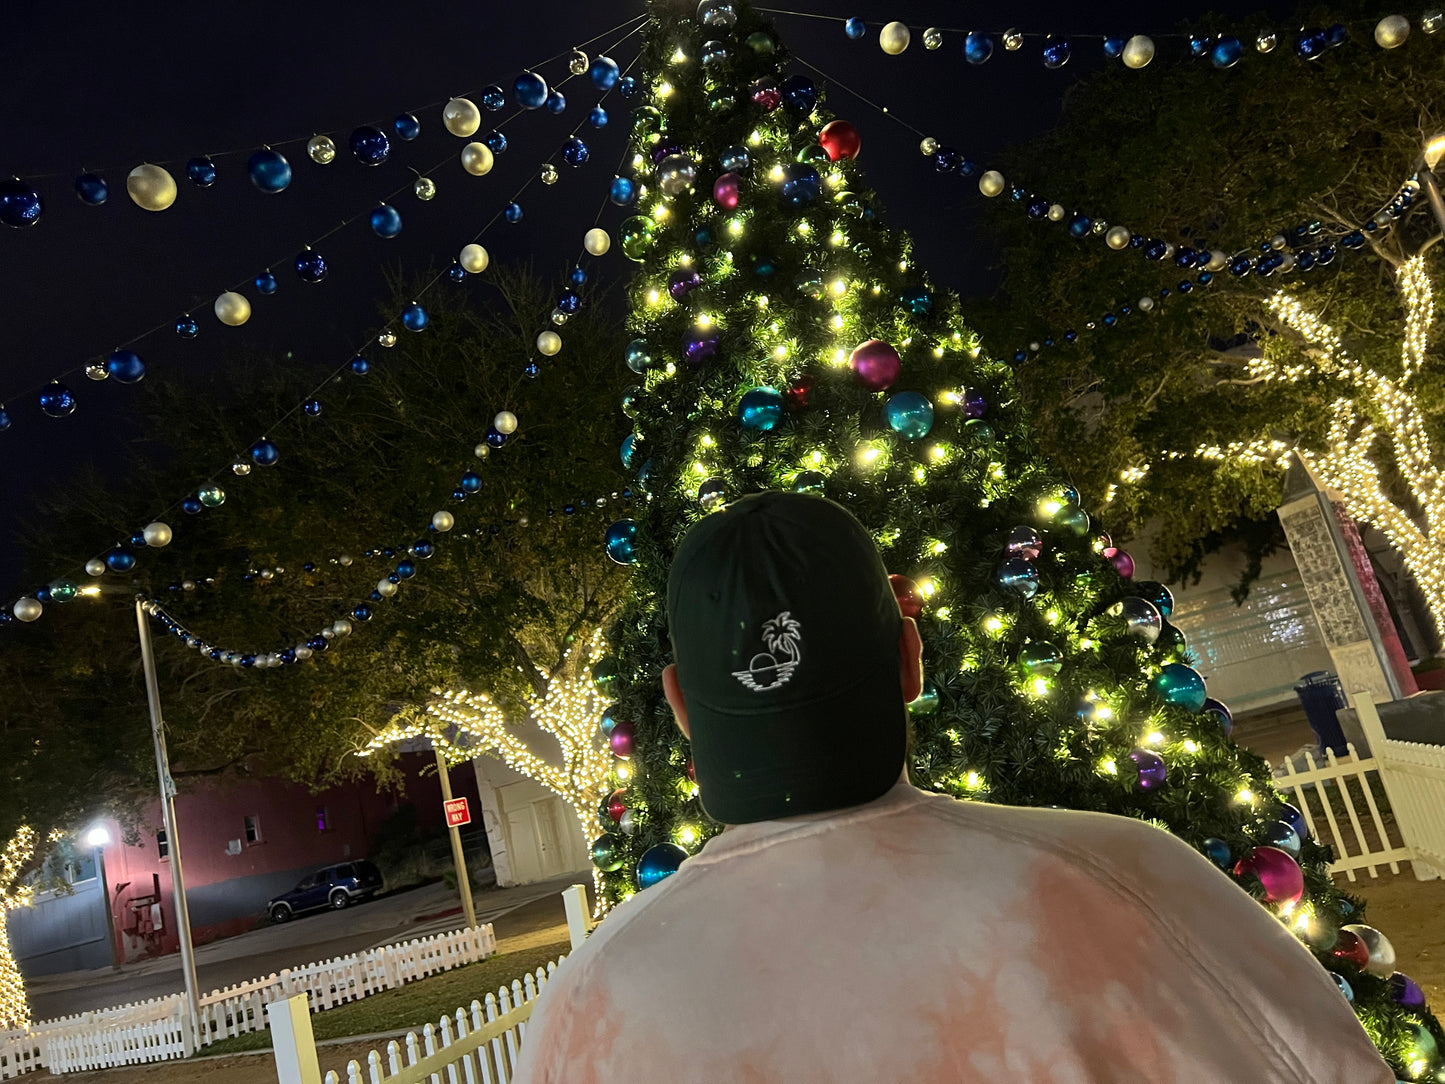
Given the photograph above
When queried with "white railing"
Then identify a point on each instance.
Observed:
(1414, 778)
(479, 1043)
(157, 1029)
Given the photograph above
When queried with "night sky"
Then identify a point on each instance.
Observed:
(107, 89)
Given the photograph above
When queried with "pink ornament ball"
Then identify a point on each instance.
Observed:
(620, 740)
(725, 191)
(1283, 880)
(1122, 562)
(875, 364)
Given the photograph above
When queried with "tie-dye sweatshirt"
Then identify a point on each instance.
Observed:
(918, 938)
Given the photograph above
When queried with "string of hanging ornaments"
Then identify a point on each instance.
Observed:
(461, 117)
(1134, 51)
(121, 558)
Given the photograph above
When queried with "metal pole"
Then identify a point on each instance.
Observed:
(464, 883)
(1432, 191)
(168, 808)
(109, 915)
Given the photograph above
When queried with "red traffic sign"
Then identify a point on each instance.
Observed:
(457, 812)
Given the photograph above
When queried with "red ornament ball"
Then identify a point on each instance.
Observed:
(621, 740)
(691, 771)
(726, 189)
(766, 94)
(1351, 946)
(799, 388)
(840, 139)
(910, 602)
(875, 364)
(616, 803)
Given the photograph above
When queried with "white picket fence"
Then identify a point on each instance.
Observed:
(1413, 777)
(158, 1029)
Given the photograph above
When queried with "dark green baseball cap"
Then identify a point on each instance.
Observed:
(785, 634)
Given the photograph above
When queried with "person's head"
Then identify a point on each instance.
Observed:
(793, 664)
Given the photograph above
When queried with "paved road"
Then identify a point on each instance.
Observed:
(315, 937)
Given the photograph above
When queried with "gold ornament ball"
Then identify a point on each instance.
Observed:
(1013, 39)
(1391, 31)
(1118, 237)
(1432, 20)
(385, 588)
(151, 188)
(387, 338)
(933, 38)
(232, 309)
(321, 149)
(461, 117)
(1217, 260)
(1266, 41)
(425, 188)
(96, 372)
(27, 608)
(578, 63)
(157, 534)
(549, 343)
(549, 173)
(240, 469)
(1138, 51)
(991, 183)
(596, 241)
(477, 159)
(928, 146)
(506, 422)
(482, 451)
(474, 258)
(894, 38)
(1056, 212)
(443, 521)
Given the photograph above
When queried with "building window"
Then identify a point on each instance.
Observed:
(80, 868)
(163, 845)
(253, 830)
(321, 822)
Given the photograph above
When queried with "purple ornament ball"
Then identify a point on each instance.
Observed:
(1152, 769)
(1283, 880)
(1406, 990)
(726, 190)
(875, 364)
(700, 344)
(1122, 562)
(682, 282)
(620, 740)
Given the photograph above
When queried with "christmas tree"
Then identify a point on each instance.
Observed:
(784, 339)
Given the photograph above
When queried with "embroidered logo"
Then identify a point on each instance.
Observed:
(782, 636)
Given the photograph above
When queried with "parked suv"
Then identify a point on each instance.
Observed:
(334, 887)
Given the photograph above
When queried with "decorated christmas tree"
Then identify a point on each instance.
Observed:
(784, 339)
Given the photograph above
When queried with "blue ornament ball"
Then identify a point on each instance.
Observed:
(597, 117)
(1019, 576)
(423, 548)
(760, 409)
(512, 212)
(529, 90)
(800, 184)
(414, 317)
(5, 419)
(575, 152)
(406, 127)
(800, 94)
(312, 408)
(456, 272)
(361, 612)
(603, 72)
(56, 400)
(269, 170)
(909, 414)
(188, 327)
(579, 276)
(627, 86)
(1221, 713)
(1227, 52)
(1311, 44)
(556, 102)
(1280, 834)
(360, 366)
(201, 172)
(1345, 989)
(494, 98)
(622, 191)
(1217, 851)
(91, 189)
(1156, 593)
(620, 541)
(569, 301)
(386, 221)
(494, 437)
(1180, 684)
(266, 283)
(978, 47)
(496, 142)
(855, 28)
(126, 366)
(1056, 52)
(20, 205)
(120, 559)
(310, 266)
(264, 453)
(191, 506)
(658, 863)
(405, 569)
(471, 482)
(735, 159)
(1113, 47)
(1291, 815)
(628, 450)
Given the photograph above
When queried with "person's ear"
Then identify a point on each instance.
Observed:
(910, 661)
(673, 691)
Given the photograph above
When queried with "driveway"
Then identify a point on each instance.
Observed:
(306, 939)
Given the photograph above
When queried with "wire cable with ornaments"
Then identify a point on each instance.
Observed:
(233, 309)
(1135, 51)
(473, 258)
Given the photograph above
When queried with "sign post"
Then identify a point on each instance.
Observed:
(457, 815)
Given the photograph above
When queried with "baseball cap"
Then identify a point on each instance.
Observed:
(785, 635)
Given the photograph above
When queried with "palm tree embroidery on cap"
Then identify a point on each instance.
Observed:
(781, 636)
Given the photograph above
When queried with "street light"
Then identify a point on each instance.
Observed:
(97, 837)
(1430, 157)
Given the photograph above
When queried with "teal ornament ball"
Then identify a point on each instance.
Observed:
(604, 674)
(1180, 684)
(639, 356)
(926, 702)
(658, 863)
(608, 852)
(760, 409)
(809, 481)
(620, 541)
(918, 301)
(909, 414)
(1156, 593)
(628, 450)
(1019, 577)
(1041, 658)
(1217, 851)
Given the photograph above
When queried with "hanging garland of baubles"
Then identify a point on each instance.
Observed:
(460, 116)
(121, 558)
(1135, 51)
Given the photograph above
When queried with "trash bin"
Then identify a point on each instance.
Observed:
(1321, 695)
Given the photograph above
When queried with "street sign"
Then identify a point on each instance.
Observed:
(457, 812)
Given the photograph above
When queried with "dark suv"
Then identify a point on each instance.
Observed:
(334, 887)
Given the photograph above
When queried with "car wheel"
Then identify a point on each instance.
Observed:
(280, 913)
(339, 899)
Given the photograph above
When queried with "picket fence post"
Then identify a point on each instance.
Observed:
(574, 899)
(1400, 791)
(293, 1042)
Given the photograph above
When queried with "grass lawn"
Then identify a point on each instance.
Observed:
(415, 1004)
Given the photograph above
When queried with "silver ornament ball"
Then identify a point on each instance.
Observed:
(894, 38)
(443, 521)
(157, 534)
(1118, 237)
(151, 187)
(387, 338)
(95, 567)
(1146, 304)
(933, 38)
(991, 183)
(1266, 41)
(1432, 21)
(474, 258)
(240, 469)
(321, 149)
(1391, 31)
(1057, 212)
(425, 188)
(548, 174)
(27, 609)
(506, 422)
(96, 372)
(675, 174)
(1382, 954)
(1013, 39)
(578, 63)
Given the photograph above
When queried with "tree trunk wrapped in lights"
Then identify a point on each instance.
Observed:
(14, 1007)
(785, 339)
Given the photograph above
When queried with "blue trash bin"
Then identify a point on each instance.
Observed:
(1321, 695)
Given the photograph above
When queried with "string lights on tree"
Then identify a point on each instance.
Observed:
(14, 860)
